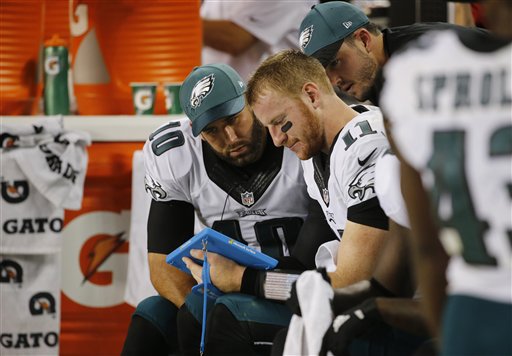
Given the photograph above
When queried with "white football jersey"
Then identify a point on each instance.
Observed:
(348, 178)
(262, 209)
(451, 114)
(387, 187)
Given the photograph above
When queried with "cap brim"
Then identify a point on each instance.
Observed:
(328, 53)
(229, 108)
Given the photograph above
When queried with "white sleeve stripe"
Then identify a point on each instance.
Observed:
(278, 285)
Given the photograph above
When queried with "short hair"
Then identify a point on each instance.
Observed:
(371, 27)
(287, 72)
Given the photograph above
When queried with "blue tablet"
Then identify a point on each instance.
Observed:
(223, 245)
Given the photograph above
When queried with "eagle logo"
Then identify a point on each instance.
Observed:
(305, 37)
(154, 188)
(362, 182)
(201, 90)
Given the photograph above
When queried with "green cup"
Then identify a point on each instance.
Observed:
(172, 98)
(144, 97)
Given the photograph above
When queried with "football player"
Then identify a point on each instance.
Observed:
(220, 164)
(452, 126)
(354, 50)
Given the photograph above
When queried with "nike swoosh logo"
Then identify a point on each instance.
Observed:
(362, 162)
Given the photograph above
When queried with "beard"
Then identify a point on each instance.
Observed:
(313, 135)
(366, 76)
(255, 147)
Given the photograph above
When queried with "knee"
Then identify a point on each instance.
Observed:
(186, 319)
(160, 312)
(220, 319)
(154, 304)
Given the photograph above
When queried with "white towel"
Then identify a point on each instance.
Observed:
(31, 224)
(327, 255)
(29, 134)
(41, 176)
(138, 283)
(57, 167)
(305, 333)
(30, 304)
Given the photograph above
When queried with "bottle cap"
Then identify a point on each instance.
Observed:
(55, 41)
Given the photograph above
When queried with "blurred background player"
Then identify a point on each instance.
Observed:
(354, 50)
(243, 33)
(235, 180)
(451, 123)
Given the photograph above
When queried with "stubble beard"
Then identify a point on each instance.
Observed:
(256, 146)
(313, 134)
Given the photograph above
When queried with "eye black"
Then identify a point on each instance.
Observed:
(288, 125)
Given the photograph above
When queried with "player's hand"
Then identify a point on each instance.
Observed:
(348, 326)
(195, 269)
(225, 274)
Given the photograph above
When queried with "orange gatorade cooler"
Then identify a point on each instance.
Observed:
(21, 33)
(56, 19)
(117, 42)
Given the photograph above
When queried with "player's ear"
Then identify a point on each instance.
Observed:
(312, 92)
(365, 37)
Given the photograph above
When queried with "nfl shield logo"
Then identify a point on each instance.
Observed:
(247, 198)
(325, 196)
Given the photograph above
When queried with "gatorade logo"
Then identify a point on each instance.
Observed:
(98, 250)
(96, 260)
(79, 20)
(143, 99)
(16, 192)
(41, 303)
(33, 340)
(10, 271)
(8, 141)
(52, 65)
(31, 226)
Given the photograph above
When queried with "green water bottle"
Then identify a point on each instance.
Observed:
(56, 94)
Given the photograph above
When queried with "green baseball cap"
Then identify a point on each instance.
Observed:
(211, 92)
(326, 26)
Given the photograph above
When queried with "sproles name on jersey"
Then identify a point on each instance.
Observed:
(450, 104)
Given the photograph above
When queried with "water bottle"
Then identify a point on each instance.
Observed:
(56, 94)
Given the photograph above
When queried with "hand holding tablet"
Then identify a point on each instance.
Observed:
(212, 241)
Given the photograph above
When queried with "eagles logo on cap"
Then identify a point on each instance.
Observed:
(305, 37)
(201, 90)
